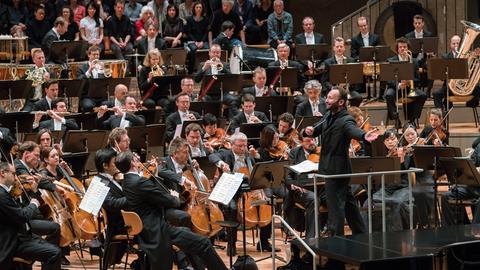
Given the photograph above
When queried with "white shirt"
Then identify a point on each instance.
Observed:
(365, 39)
(179, 169)
(151, 43)
(94, 72)
(124, 123)
(92, 31)
(259, 92)
(418, 34)
(309, 38)
(57, 124)
(314, 105)
(183, 116)
(117, 103)
(400, 58)
(339, 60)
(247, 116)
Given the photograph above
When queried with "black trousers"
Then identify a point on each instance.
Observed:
(37, 249)
(341, 204)
(46, 228)
(413, 108)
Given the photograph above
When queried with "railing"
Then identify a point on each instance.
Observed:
(349, 16)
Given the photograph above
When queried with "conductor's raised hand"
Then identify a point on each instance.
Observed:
(371, 135)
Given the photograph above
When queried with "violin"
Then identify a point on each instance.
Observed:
(315, 155)
(291, 138)
(220, 139)
(279, 151)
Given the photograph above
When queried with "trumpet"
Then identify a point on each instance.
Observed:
(215, 61)
(157, 71)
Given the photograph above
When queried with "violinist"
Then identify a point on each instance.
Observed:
(115, 200)
(149, 200)
(215, 136)
(259, 89)
(314, 105)
(271, 148)
(193, 134)
(286, 131)
(58, 120)
(119, 140)
(358, 148)
(16, 227)
(248, 114)
(123, 116)
(435, 133)
(182, 100)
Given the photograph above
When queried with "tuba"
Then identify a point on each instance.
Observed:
(465, 87)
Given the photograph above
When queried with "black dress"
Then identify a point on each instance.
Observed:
(71, 32)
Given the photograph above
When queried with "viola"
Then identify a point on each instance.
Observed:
(315, 155)
(279, 151)
(220, 139)
(291, 138)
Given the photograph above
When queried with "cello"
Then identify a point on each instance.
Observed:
(204, 213)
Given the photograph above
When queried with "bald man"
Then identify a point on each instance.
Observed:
(120, 91)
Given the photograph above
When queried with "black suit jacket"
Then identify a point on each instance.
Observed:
(326, 85)
(337, 130)
(300, 38)
(41, 105)
(47, 41)
(142, 44)
(149, 201)
(171, 124)
(251, 90)
(70, 124)
(114, 121)
(240, 119)
(168, 173)
(357, 43)
(13, 226)
(412, 34)
(114, 202)
(304, 108)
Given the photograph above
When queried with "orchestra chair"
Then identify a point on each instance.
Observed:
(20, 263)
(466, 99)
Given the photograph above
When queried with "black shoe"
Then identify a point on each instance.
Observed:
(293, 265)
(266, 247)
(65, 261)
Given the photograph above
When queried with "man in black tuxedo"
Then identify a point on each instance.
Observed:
(120, 91)
(196, 148)
(183, 113)
(414, 107)
(337, 128)
(259, 89)
(51, 92)
(418, 31)
(58, 120)
(93, 69)
(339, 58)
(363, 39)
(248, 114)
(315, 104)
(59, 28)
(150, 200)
(151, 41)
(123, 116)
(15, 229)
(309, 36)
(283, 52)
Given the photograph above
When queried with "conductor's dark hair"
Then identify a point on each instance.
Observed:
(123, 161)
(104, 156)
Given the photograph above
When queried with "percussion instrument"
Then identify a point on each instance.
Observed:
(253, 57)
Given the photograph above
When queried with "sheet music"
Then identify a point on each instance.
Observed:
(305, 167)
(226, 188)
(93, 199)
(178, 131)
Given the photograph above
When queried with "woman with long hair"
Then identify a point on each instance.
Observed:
(91, 27)
(172, 27)
(73, 32)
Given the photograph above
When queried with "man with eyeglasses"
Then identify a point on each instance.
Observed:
(183, 114)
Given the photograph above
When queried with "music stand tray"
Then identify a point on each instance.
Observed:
(252, 130)
(312, 52)
(57, 136)
(274, 104)
(84, 141)
(262, 171)
(375, 164)
(208, 168)
(426, 44)
(374, 53)
(78, 162)
(457, 68)
(70, 88)
(305, 121)
(203, 107)
(20, 122)
(61, 50)
(346, 73)
(171, 83)
(396, 71)
(226, 82)
(288, 78)
(104, 88)
(461, 171)
(424, 156)
(153, 135)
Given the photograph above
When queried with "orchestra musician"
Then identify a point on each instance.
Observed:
(38, 75)
(57, 119)
(93, 69)
(435, 133)
(314, 105)
(51, 92)
(196, 148)
(183, 113)
(363, 39)
(419, 31)
(229, 161)
(215, 136)
(286, 131)
(119, 140)
(45, 139)
(248, 114)
(16, 229)
(149, 199)
(309, 36)
(337, 129)
(153, 67)
(414, 107)
(123, 116)
(120, 91)
(259, 89)
(339, 58)
(59, 28)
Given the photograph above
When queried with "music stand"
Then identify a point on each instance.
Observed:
(57, 136)
(171, 83)
(224, 83)
(274, 105)
(269, 174)
(174, 57)
(19, 89)
(61, 51)
(374, 54)
(375, 164)
(203, 107)
(306, 121)
(252, 130)
(20, 122)
(346, 73)
(427, 157)
(446, 69)
(312, 52)
(424, 45)
(288, 77)
(146, 137)
(85, 141)
(77, 162)
(208, 168)
(86, 121)
(101, 88)
(70, 88)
